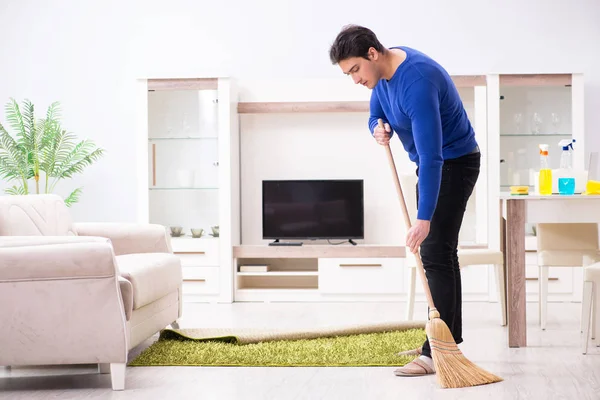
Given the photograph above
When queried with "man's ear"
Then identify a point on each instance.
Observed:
(373, 54)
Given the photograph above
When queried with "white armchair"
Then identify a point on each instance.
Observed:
(81, 293)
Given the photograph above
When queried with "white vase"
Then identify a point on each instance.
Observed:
(185, 177)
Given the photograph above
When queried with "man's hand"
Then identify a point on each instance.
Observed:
(382, 135)
(416, 234)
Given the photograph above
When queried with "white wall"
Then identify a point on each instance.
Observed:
(88, 56)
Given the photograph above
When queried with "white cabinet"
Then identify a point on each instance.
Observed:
(361, 275)
(189, 148)
(524, 111)
(546, 112)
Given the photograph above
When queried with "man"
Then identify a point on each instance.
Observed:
(417, 99)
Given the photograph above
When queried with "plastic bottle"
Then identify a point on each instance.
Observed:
(566, 179)
(545, 172)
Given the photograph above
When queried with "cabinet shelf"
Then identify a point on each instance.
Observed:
(183, 188)
(541, 135)
(280, 273)
(152, 139)
(302, 107)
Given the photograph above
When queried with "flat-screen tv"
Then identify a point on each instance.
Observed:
(313, 209)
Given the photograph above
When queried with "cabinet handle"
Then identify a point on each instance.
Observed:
(535, 279)
(360, 265)
(195, 280)
(189, 252)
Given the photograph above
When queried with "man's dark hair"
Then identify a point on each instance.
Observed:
(354, 41)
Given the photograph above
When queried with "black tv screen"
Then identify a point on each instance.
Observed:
(313, 209)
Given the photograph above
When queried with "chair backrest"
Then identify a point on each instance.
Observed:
(35, 215)
(563, 236)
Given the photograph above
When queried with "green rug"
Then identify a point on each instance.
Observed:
(371, 345)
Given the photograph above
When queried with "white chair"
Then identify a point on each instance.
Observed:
(466, 257)
(562, 245)
(590, 311)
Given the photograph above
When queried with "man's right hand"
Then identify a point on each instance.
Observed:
(382, 135)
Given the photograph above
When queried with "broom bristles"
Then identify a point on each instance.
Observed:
(452, 368)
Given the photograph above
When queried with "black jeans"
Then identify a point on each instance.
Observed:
(439, 250)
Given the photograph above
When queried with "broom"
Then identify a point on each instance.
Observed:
(453, 369)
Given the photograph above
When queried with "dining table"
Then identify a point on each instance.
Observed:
(516, 211)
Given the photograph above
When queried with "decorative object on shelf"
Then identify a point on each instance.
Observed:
(185, 126)
(555, 122)
(518, 120)
(197, 232)
(215, 230)
(254, 268)
(537, 123)
(176, 231)
(185, 178)
(41, 146)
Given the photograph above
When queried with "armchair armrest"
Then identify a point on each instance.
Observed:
(127, 295)
(63, 303)
(129, 238)
(55, 257)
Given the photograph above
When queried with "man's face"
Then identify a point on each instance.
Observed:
(364, 72)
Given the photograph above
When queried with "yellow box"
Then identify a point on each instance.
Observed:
(520, 190)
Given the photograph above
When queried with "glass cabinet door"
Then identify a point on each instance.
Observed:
(183, 154)
(534, 110)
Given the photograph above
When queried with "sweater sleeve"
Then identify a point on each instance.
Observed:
(376, 112)
(423, 107)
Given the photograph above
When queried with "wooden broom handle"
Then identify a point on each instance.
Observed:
(407, 220)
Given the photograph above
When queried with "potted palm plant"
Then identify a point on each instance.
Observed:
(42, 151)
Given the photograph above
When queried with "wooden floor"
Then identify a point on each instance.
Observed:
(551, 367)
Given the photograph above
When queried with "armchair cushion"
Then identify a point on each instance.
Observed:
(129, 238)
(152, 275)
(35, 215)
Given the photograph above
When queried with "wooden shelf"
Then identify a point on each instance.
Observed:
(302, 107)
(462, 81)
(334, 106)
(317, 251)
(183, 84)
(535, 79)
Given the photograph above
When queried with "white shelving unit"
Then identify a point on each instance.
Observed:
(189, 148)
(525, 110)
(319, 273)
(193, 124)
(371, 277)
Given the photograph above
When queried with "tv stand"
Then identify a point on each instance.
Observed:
(318, 272)
(352, 242)
(276, 242)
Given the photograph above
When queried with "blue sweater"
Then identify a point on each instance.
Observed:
(423, 107)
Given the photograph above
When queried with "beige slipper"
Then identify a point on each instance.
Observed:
(416, 367)
(413, 352)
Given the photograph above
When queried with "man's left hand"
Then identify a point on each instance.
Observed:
(416, 234)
